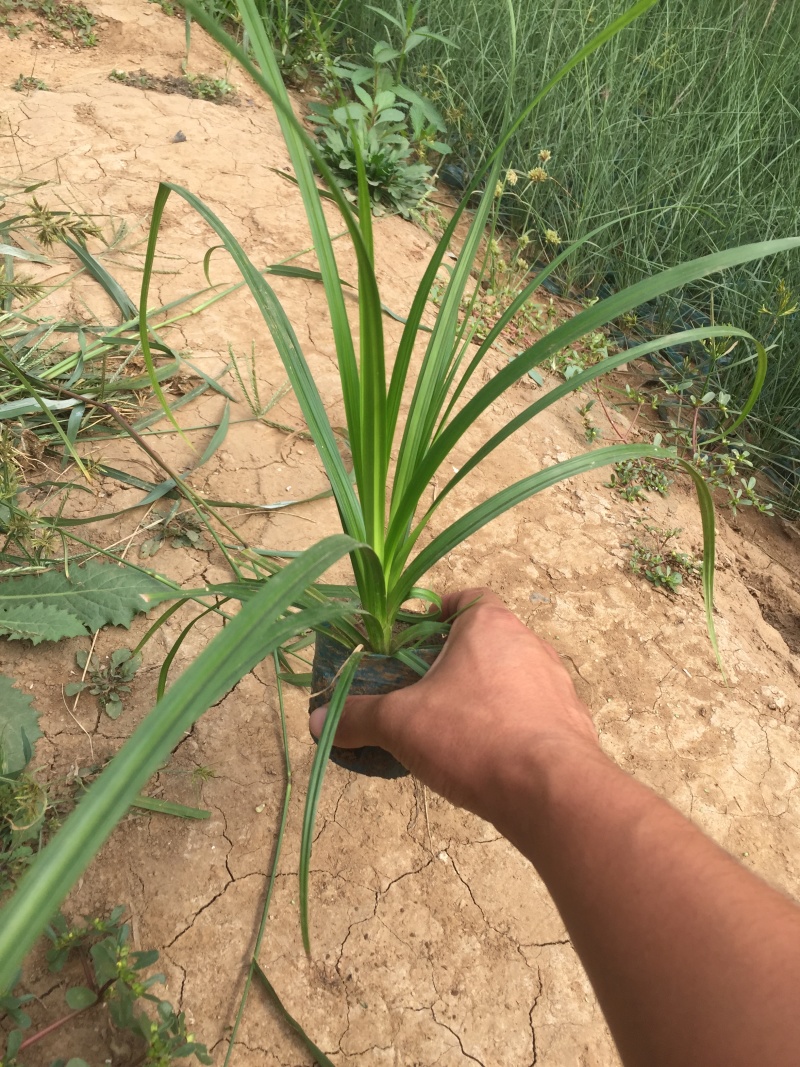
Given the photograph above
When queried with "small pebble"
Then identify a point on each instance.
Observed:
(179, 136)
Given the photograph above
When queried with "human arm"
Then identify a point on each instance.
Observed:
(694, 960)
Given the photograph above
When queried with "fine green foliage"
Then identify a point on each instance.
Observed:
(50, 606)
(683, 134)
(98, 954)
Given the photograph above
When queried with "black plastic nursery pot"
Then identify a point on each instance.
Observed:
(375, 675)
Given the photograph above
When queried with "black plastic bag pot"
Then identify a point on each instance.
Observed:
(375, 675)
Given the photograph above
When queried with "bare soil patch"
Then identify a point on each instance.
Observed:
(433, 941)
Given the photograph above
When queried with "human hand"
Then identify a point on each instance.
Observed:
(495, 707)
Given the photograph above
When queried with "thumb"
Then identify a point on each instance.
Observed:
(361, 723)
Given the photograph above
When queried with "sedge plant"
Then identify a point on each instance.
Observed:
(403, 423)
(380, 505)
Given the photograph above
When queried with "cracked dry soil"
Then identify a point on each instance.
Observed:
(433, 941)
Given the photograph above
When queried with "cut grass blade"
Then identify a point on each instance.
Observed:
(319, 1056)
(169, 807)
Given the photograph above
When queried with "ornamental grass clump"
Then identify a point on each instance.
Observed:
(380, 504)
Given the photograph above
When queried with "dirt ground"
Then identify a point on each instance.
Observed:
(433, 941)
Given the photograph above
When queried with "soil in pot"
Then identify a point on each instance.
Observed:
(375, 675)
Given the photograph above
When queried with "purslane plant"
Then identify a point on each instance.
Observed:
(381, 505)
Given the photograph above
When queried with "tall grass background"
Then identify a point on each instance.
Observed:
(686, 126)
(689, 122)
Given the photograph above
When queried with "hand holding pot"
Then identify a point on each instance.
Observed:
(693, 959)
(496, 702)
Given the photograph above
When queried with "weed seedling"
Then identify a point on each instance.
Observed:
(59, 17)
(633, 477)
(197, 86)
(106, 681)
(662, 565)
(98, 950)
(590, 431)
(26, 83)
(183, 529)
(571, 361)
(746, 496)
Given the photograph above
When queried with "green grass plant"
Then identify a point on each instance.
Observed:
(389, 523)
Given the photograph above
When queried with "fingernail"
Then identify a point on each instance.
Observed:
(316, 720)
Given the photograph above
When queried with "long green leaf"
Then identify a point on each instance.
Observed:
(260, 627)
(300, 146)
(562, 337)
(101, 275)
(319, 1056)
(508, 498)
(571, 385)
(170, 807)
(31, 390)
(293, 360)
(320, 765)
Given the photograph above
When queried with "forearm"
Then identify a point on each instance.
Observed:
(694, 960)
